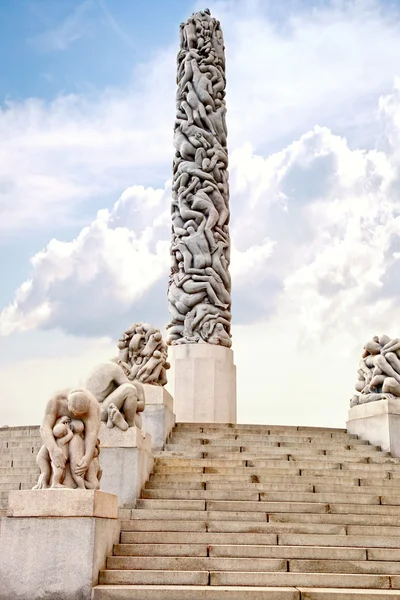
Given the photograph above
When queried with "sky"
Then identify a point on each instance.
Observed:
(86, 117)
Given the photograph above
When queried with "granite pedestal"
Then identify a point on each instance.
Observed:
(378, 422)
(53, 543)
(158, 416)
(203, 381)
(126, 462)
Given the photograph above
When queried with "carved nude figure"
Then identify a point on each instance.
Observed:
(118, 397)
(63, 407)
(200, 247)
(147, 359)
(63, 434)
(379, 371)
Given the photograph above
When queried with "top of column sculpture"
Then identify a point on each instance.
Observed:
(199, 288)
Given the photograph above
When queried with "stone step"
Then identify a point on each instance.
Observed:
(341, 566)
(296, 565)
(253, 551)
(290, 552)
(188, 485)
(255, 578)
(337, 580)
(19, 452)
(267, 496)
(222, 526)
(162, 550)
(197, 537)
(177, 472)
(343, 594)
(27, 462)
(266, 443)
(154, 592)
(357, 536)
(260, 432)
(338, 519)
(18, 471)
(271, 539)
(260, 517)
(200, 494)
(284, 467)
(371, 473)
(19, 431)
(194, 515)
(244, 439)
(254, 427)
(291, 468)
(182, 563)
(268, 507)
(255, 459)
(177, 592)
(273, 475)
(281, 485)
(306, 448)
(240, 460)
(151, 577)
(261, 435)
(12, 479)
(197, 505)
(17, 485)
(370, 489)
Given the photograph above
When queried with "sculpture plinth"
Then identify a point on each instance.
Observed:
(54, 542)
(204, 377)
(158, 416)
(378, 422)
(199, 292)
(126, 462)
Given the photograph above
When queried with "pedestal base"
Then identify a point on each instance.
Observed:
(158, 416)
(204, 383)
(44, 556)
(378, 422)
(126, 462)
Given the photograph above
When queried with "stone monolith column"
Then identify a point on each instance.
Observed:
(203, 373)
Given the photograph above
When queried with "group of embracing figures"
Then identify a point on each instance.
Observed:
(114, 394)
(199, 291)
(379, 371)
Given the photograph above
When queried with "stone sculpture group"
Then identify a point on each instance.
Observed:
(200, 286)
(70, 428)
(143, 353)
(379, 371)
(113, 393)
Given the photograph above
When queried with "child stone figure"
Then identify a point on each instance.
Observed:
(77, 451)
(63, 435)
(94, 472)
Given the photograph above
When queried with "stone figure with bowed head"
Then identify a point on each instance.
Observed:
(69, 432)
(120, 399)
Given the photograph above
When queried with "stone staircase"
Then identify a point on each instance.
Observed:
(251, 512)
(18, 470)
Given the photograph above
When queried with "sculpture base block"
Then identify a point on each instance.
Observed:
(126, 462)
(158, 417)
(62, 503)
(204, 383)
(57, 557)
(378, 422)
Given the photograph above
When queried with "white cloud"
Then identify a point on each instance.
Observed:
(102, 273)
(315, 222)
(313, 66)
(317, 233)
